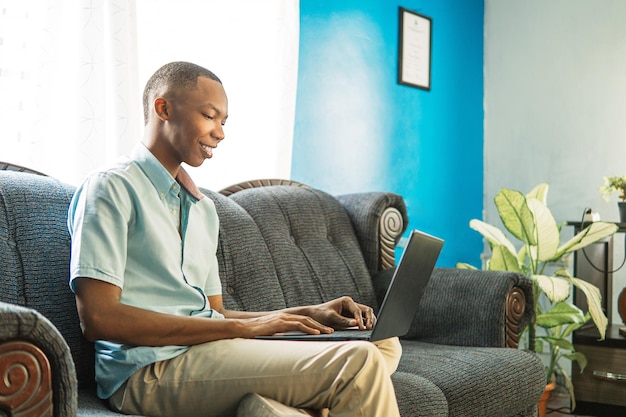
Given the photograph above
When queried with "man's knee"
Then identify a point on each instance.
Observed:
(391, 350)
(365, 354)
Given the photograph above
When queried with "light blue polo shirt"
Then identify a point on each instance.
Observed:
(124, 223)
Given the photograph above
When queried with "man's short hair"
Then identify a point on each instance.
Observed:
(173, 76)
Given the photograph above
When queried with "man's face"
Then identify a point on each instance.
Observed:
(196, 121)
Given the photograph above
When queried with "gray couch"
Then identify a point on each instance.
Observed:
(281, 244)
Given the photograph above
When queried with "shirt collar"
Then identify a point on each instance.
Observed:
(156, 173)
(159, 176)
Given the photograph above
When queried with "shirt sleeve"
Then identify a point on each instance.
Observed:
(213, 285)
(98, 219)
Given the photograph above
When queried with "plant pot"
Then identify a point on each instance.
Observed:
(543, 401)
(621, 205)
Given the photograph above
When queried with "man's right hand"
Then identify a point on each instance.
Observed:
(279, 322)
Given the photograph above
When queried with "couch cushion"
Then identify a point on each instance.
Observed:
(35, 255)
(478, 381)
(305, 237)
(242, 252)
(418, 397)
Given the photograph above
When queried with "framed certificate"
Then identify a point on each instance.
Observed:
(414, 50)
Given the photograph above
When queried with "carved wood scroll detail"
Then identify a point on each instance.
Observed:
(391, 225)
(515, 308)
(25, 380)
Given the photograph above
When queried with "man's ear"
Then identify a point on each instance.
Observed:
(161, 108)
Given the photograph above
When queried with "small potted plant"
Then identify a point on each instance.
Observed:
(616, 184)
(528, 219)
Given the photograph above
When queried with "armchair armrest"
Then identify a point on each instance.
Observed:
(474, 308)
(37, 374)
(379, 219)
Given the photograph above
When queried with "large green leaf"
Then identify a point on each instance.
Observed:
(540, 192)
(578, 357)
(493, 235)
(503, 260)
(548, 236)
(591, 234)
(570, 388)
(575, 326)
(557, 341)
(562, 313)
(522, 258)
(594, 302)
(555, 288)
(516, 216)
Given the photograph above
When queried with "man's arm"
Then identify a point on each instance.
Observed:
(104, 317)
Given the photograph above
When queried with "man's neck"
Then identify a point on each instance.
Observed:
(159, 148)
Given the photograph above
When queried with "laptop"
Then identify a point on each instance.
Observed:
(401, 300)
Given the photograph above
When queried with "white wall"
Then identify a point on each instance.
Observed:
(555, 105)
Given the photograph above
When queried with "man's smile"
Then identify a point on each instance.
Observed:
(207, 150)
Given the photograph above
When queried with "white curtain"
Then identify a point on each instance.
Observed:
(68, 81)
(252, 46)
(72, 73)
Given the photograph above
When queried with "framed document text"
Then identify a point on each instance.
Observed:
(414, 50)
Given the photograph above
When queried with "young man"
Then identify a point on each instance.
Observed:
(150, 298)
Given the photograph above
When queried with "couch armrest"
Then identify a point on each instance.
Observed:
(474, 308)
(37, 374)
(379, 219)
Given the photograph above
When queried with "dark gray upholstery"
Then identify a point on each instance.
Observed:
(476, 320)
(365, 211)
(476, 381)
(309, 236)
(279, 246)
(415, 392)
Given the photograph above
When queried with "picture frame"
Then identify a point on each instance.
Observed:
(414, 49)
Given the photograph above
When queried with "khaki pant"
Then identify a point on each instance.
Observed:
(350, 378)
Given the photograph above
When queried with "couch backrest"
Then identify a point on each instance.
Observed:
(34, 254)
(283, 246)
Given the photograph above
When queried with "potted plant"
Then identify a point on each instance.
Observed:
(528, 219)
(616, 184)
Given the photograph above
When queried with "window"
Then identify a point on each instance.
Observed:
(72, 75)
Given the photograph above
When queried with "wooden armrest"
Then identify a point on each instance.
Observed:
(515, 308)
(25, 380)
(391, 227)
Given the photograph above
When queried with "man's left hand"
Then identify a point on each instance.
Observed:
(344, 312)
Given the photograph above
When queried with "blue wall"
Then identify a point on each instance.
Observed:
(357, 129)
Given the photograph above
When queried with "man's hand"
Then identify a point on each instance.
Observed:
(337, 314)
(343, 312)
(280, 322)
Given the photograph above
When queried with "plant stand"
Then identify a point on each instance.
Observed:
(601, 388)
(621, 205)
